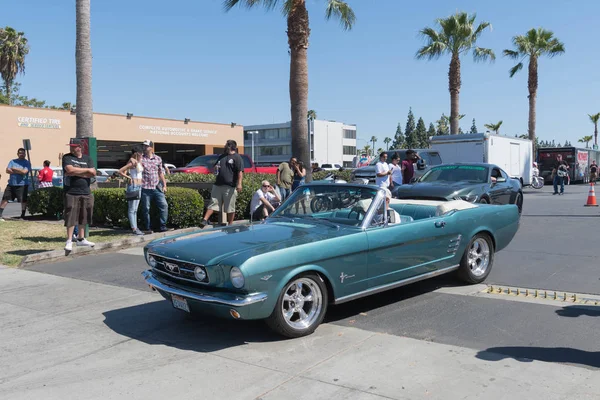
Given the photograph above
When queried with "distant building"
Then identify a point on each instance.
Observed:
(331, 143)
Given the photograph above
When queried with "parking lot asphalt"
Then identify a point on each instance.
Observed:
(555, 249)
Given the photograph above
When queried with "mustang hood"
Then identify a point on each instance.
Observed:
(209, 247)
(438, 189)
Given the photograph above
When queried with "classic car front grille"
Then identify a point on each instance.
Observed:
(180, 270)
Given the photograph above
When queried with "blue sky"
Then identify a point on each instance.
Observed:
(189, 59)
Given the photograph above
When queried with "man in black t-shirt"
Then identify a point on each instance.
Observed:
(560, 170)
(78, 169)
(230, 171)
(593, 171)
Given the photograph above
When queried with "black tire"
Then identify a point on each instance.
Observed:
(519, 202)
(484, 200)
(465, 271)
(278, 322)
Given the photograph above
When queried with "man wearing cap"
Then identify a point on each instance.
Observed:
(18, 182)
(227, 185)
(78, 169)
(154, 186)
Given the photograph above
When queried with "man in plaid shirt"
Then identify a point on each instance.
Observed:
(154, 186)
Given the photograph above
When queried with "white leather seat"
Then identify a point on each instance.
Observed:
(457, 205)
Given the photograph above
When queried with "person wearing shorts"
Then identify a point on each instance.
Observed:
(227, 185)
(18, 183)
(78, 169)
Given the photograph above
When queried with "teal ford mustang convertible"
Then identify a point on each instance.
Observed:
(326, 244)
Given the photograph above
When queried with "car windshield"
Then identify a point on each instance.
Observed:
(207, 161)
(456, 173)
(340, 204)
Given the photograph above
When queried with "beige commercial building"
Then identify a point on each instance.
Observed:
(176, 141)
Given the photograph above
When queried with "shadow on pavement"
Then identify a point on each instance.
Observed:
(369, 303)
(158, 323)
(546, 354)
(578, 311)
(25, 252)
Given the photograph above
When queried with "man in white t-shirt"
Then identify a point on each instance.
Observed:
(264, 201)
(382, 169)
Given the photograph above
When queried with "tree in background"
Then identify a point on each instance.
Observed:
(431, 131)
(373, 140)
(367, 150)
(311, 115)
(457, 35)
(387, 141)
(473, 127)
(460, 131)
(398, 138)
(586, 140)
(13, 49)
(594, 118)
(494, 127)
(410, 134)
(421, 134)
(443, 125)
(84, 125)
(379, 150)
(298, 32)
(534, 44)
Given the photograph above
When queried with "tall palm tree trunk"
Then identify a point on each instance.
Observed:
(83, 61)
(454, 86)
(8, 86)
(532, 84)
(298, 33)
(596, 133)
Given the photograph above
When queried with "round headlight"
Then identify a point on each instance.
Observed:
(200, 274)
(151, 261)
(237, 278)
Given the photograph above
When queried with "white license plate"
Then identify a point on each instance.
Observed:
(180, 302)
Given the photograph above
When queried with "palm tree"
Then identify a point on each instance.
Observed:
(379, 150)
(367, 149)
(494, 127)
(586, 140)
(387, 142)
(83, 60)
(457, 35)
(373, 140)
(298, 32)
(312, 115)
(13, 49)
(594, 118)
(535, 43)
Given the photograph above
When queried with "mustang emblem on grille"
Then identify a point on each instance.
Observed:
(173, 268)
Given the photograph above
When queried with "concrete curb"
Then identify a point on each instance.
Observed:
(55, 255)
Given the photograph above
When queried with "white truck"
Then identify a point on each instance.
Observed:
(513, 155)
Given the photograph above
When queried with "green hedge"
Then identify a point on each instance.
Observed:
(186, 206)
(345, 175)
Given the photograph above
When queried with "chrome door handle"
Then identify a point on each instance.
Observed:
(440, 224)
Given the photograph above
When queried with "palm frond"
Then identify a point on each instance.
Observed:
(515, 69)
(432, 51)
(511, 54)
(342, 11)
(481, 54)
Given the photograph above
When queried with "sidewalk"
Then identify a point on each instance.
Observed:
(64, 338)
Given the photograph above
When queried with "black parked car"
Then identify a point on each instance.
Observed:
(474, 182)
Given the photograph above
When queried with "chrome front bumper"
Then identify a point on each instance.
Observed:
(225, 299)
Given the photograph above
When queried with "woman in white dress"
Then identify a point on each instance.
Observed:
(134, 168)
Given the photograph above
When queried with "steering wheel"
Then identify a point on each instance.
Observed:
(358, 211)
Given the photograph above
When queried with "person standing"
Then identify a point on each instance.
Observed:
(135, 169)
(559, 171)
(227, 185)
(78, 169)
(18, 182)
(154, 187)
(285, 178)
(408, 166)
(593, 172)
(45, 176)
(383, 172)
(397, 170)
(299, 173)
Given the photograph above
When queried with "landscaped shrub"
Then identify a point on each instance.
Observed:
(186, 206)
(345, 175)
(46, 201)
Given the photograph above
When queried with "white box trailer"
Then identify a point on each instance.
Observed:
(513, 155)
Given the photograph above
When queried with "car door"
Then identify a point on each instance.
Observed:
(399, 252)
(501, 190)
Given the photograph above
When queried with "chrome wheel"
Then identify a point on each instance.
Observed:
(301, 303)
(478, 257)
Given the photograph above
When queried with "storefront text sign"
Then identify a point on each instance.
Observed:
(44, 123)
(168, 131)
